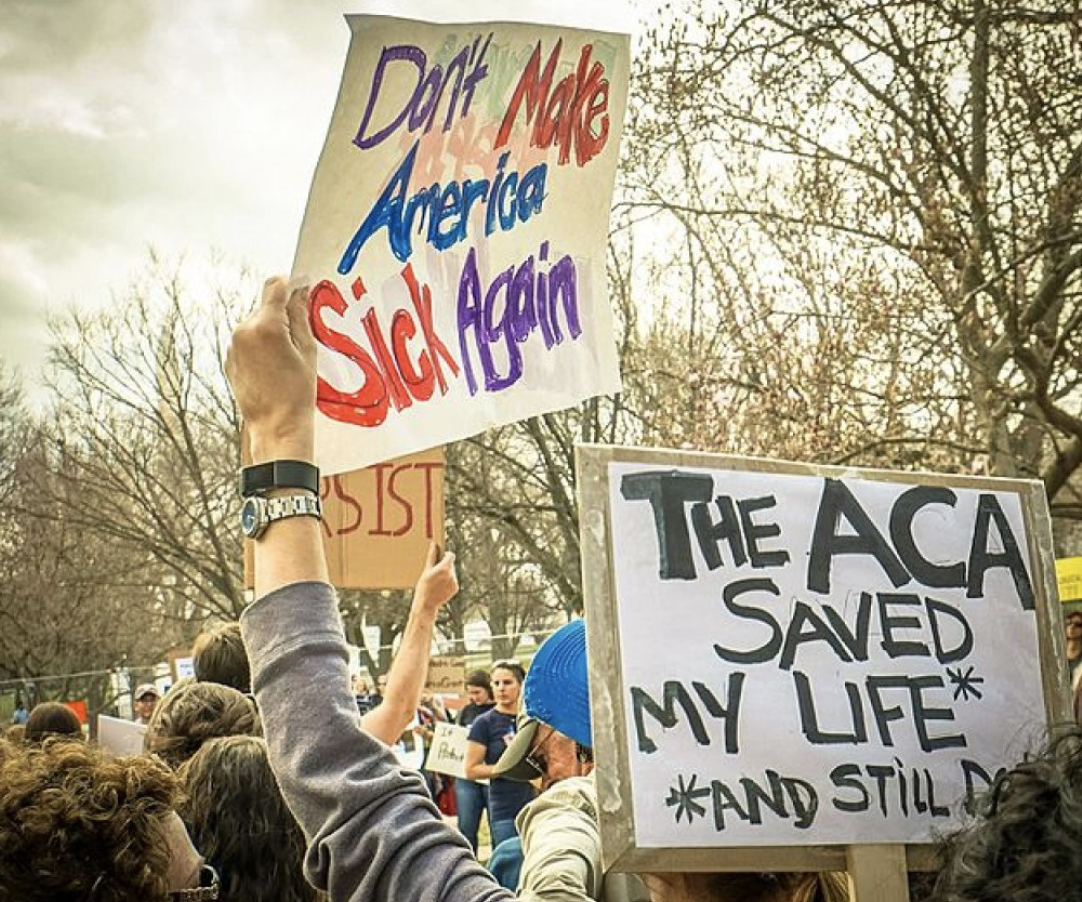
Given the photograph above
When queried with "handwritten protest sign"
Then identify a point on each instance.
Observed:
(446, 674)
(120, 737)
(1069, 577)
(807, 655)
(447, 754)
(378, 522)
(455, 232)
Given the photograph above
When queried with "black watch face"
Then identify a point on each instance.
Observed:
(249, 517)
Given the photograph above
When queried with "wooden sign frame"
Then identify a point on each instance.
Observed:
(876, 870)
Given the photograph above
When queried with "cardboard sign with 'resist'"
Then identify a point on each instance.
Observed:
(378, 522)
(806, 656)
(456, 232)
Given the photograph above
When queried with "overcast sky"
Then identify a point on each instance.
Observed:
(123, 124)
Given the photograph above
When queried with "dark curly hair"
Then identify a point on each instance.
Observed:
(219, 656)
(238, 819)
(76, 825)
(193, 712)
(1026, 842)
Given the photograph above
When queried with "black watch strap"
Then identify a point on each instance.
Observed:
(278, 474)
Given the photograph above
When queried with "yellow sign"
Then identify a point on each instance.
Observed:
(1069, 577)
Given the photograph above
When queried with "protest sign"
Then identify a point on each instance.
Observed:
(806, 656)
(181, 663)
(1069, 578)
(120, 737)
(447, 754)
(446, 674)
(378, 522)
(456, 229)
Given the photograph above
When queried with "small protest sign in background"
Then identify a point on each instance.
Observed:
(456, 232)
(446, 674)
(120, 737)
(447, 754)
(806, 656)
(1069, 577)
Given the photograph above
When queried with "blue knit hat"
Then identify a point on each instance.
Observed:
(557, 689)
(556, 693)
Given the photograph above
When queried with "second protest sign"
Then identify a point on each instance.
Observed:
(807, 656)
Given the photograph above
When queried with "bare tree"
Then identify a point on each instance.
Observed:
(147, 437)
(874, 210)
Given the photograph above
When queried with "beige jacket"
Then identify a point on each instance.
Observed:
(561, 848)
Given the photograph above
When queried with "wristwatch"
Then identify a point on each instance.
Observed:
(258, 512)
(278, 474)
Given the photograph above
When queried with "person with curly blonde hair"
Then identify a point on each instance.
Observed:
(235, 812)
(192, 713)
(76, 826)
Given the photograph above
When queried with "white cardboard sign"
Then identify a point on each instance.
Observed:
(447, 754)
(120, 737)
(456, 232)
(809, 657)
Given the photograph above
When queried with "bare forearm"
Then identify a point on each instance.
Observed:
(405, 680)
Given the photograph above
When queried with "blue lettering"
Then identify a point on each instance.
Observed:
(442, 213)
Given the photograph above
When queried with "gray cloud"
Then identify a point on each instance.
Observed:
(123, 125)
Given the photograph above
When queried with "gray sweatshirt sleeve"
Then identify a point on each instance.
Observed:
(373, 834)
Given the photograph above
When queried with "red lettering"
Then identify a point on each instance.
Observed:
(368, 405)
(324, 494)
(406, 506)
(380, 530)
(349, 501)
(429, 494)
(422, 303)
(399, 396)
(420, 384)
(533, 87)
(574, 116)
(391, 375)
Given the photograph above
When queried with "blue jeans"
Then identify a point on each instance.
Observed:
(506, 863)
(501, 830)
(471, 799)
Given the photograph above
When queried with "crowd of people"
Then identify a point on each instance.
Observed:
(264, 778)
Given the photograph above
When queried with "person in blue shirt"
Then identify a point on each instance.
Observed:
(489, 736)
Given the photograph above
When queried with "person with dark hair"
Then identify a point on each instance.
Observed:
(218, 656)
(76, 825)
(237, 817)
(50, 719)
(373, 833)
(471, 797)
(193, 713)
(1026, 839)
(490, 735)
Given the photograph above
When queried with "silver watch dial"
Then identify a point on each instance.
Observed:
(251, 517)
